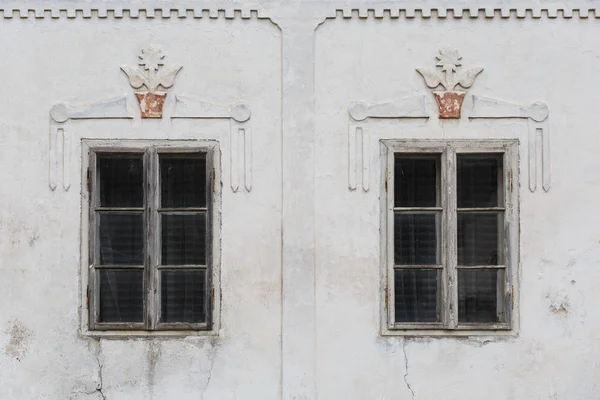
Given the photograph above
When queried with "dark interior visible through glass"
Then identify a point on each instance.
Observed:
(121, 235)
(121, 295)
(183, 184)
(183, 295)
(478, 295)
(479, 237)
(183, 239)
(416, 181)
(121, 179)
(479, 180)
(416, 293)
(416, 239)
(183, 180)
(417, 225)
(121, 238)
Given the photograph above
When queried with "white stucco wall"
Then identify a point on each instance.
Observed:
(554, 355)
(300, 252)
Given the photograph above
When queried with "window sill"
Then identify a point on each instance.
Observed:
(449, 333)
(133, 334)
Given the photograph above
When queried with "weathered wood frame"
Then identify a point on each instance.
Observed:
(448, 149)
(150, 150)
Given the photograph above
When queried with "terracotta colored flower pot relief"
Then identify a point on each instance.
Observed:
(151, 104)
(449, 103)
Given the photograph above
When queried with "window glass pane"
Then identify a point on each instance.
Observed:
(479, 180)
(479, 238)
(121, 181)
(183, 239)
(183, 181)
(121, 295)
(182, 296)
(416, 295)
(121, 239)
(416, 239)
(478, 295)
(415, 181)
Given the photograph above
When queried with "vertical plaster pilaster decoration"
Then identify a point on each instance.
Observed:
(298, 325)
(59, 140)
(240, 134)
(449, 101)
(152, 75)
(537, 115)
(359, 158)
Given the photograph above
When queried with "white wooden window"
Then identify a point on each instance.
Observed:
(451, 238)
(151, 228)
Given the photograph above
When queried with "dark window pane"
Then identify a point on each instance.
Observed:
(121, 181)
(477, 295)
(479, 181)
(183, 181)
(416, 293)
(478, 241)
(415, 181)
(121, 239)
(182, 296)
(121, 295)
(183, 239)
(415, 239)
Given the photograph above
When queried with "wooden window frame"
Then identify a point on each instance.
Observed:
(150, 149)
(448, 149)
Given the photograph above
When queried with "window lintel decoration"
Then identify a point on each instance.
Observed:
(152, 75)
(150, 80)
(449, 103)
(449, 100)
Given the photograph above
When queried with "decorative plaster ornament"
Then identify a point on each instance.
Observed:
(60, 141)
(359, 153)
(449, 100)
(240, 134)
(152, 75)
(537, 115)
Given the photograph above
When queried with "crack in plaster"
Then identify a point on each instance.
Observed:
(211, 356)
(406, 369)
(100, 367)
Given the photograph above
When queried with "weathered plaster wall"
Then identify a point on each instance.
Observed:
(43, 355)
(374, 60)
(300, 259)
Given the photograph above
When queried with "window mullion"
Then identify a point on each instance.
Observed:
(451, 304)
(151, 236)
